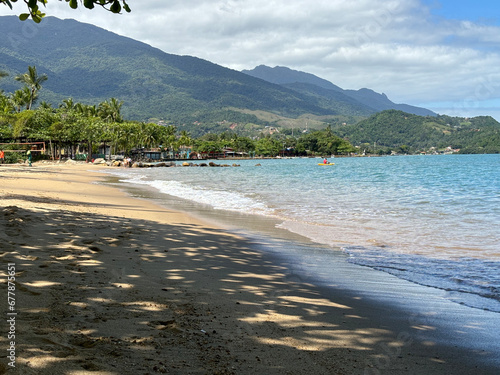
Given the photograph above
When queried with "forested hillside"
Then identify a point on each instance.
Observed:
(87, 65)
(355, 102)
(404, 132)
(90, 64)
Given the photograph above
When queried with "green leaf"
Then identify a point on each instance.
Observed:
(32, 3)
(116, 7)
(89, 4)
(24, 16)
(73, 4)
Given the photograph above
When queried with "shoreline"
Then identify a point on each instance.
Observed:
(110, 284)
(301, 259)
(234, 221)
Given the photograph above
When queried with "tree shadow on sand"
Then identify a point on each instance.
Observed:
(109, 295)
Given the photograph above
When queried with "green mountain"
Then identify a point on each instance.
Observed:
(90, 65)
(364, 100)
(404, 132)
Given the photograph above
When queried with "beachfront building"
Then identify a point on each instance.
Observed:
(226, 152)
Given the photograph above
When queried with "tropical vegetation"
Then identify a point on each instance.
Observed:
(198, 97)
(74, 127)
(397, 131)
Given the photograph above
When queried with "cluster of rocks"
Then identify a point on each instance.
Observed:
(210, 164)
(138, 164)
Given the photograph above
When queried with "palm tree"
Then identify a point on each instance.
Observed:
(149, 135)
(87, 110)
(45, 105)
(20, 98)
(33, 81)
(126, 136)
(67, 104)
(110, 111)
(185, 139)
(5, 106)
(167, 136)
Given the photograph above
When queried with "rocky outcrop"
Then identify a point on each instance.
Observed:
(139, 164)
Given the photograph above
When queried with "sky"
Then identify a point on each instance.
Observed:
(443, 55)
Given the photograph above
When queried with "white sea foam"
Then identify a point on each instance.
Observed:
(217, 199)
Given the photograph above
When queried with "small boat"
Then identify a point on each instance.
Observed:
(326, 163)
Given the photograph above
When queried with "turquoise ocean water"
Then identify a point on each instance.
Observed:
(432, 220)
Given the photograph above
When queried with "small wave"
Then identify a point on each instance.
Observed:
(220, 200)
(468, 281)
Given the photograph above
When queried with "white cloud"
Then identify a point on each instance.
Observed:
(396, 47)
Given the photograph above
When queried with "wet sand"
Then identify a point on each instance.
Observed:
(110, 284)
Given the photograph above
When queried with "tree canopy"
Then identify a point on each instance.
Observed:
(114, 6)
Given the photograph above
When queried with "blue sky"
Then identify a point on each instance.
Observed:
(485, 11)
(440, 54)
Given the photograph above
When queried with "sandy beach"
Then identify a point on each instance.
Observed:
(110, 284)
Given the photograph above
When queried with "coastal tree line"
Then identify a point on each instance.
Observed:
(77, 127)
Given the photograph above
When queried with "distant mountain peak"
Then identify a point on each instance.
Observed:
(281, 75)
(367, 97)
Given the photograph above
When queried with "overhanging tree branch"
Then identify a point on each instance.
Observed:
(114, 6)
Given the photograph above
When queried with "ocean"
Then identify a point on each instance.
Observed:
(433, 220)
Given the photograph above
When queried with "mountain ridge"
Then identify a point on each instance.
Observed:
(90, 64)
(378, 102)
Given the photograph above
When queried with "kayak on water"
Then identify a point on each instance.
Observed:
(326, 163)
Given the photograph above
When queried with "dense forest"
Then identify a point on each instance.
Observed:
(398, 131)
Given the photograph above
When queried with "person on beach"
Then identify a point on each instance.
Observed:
(28, 153)
(2, 156)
